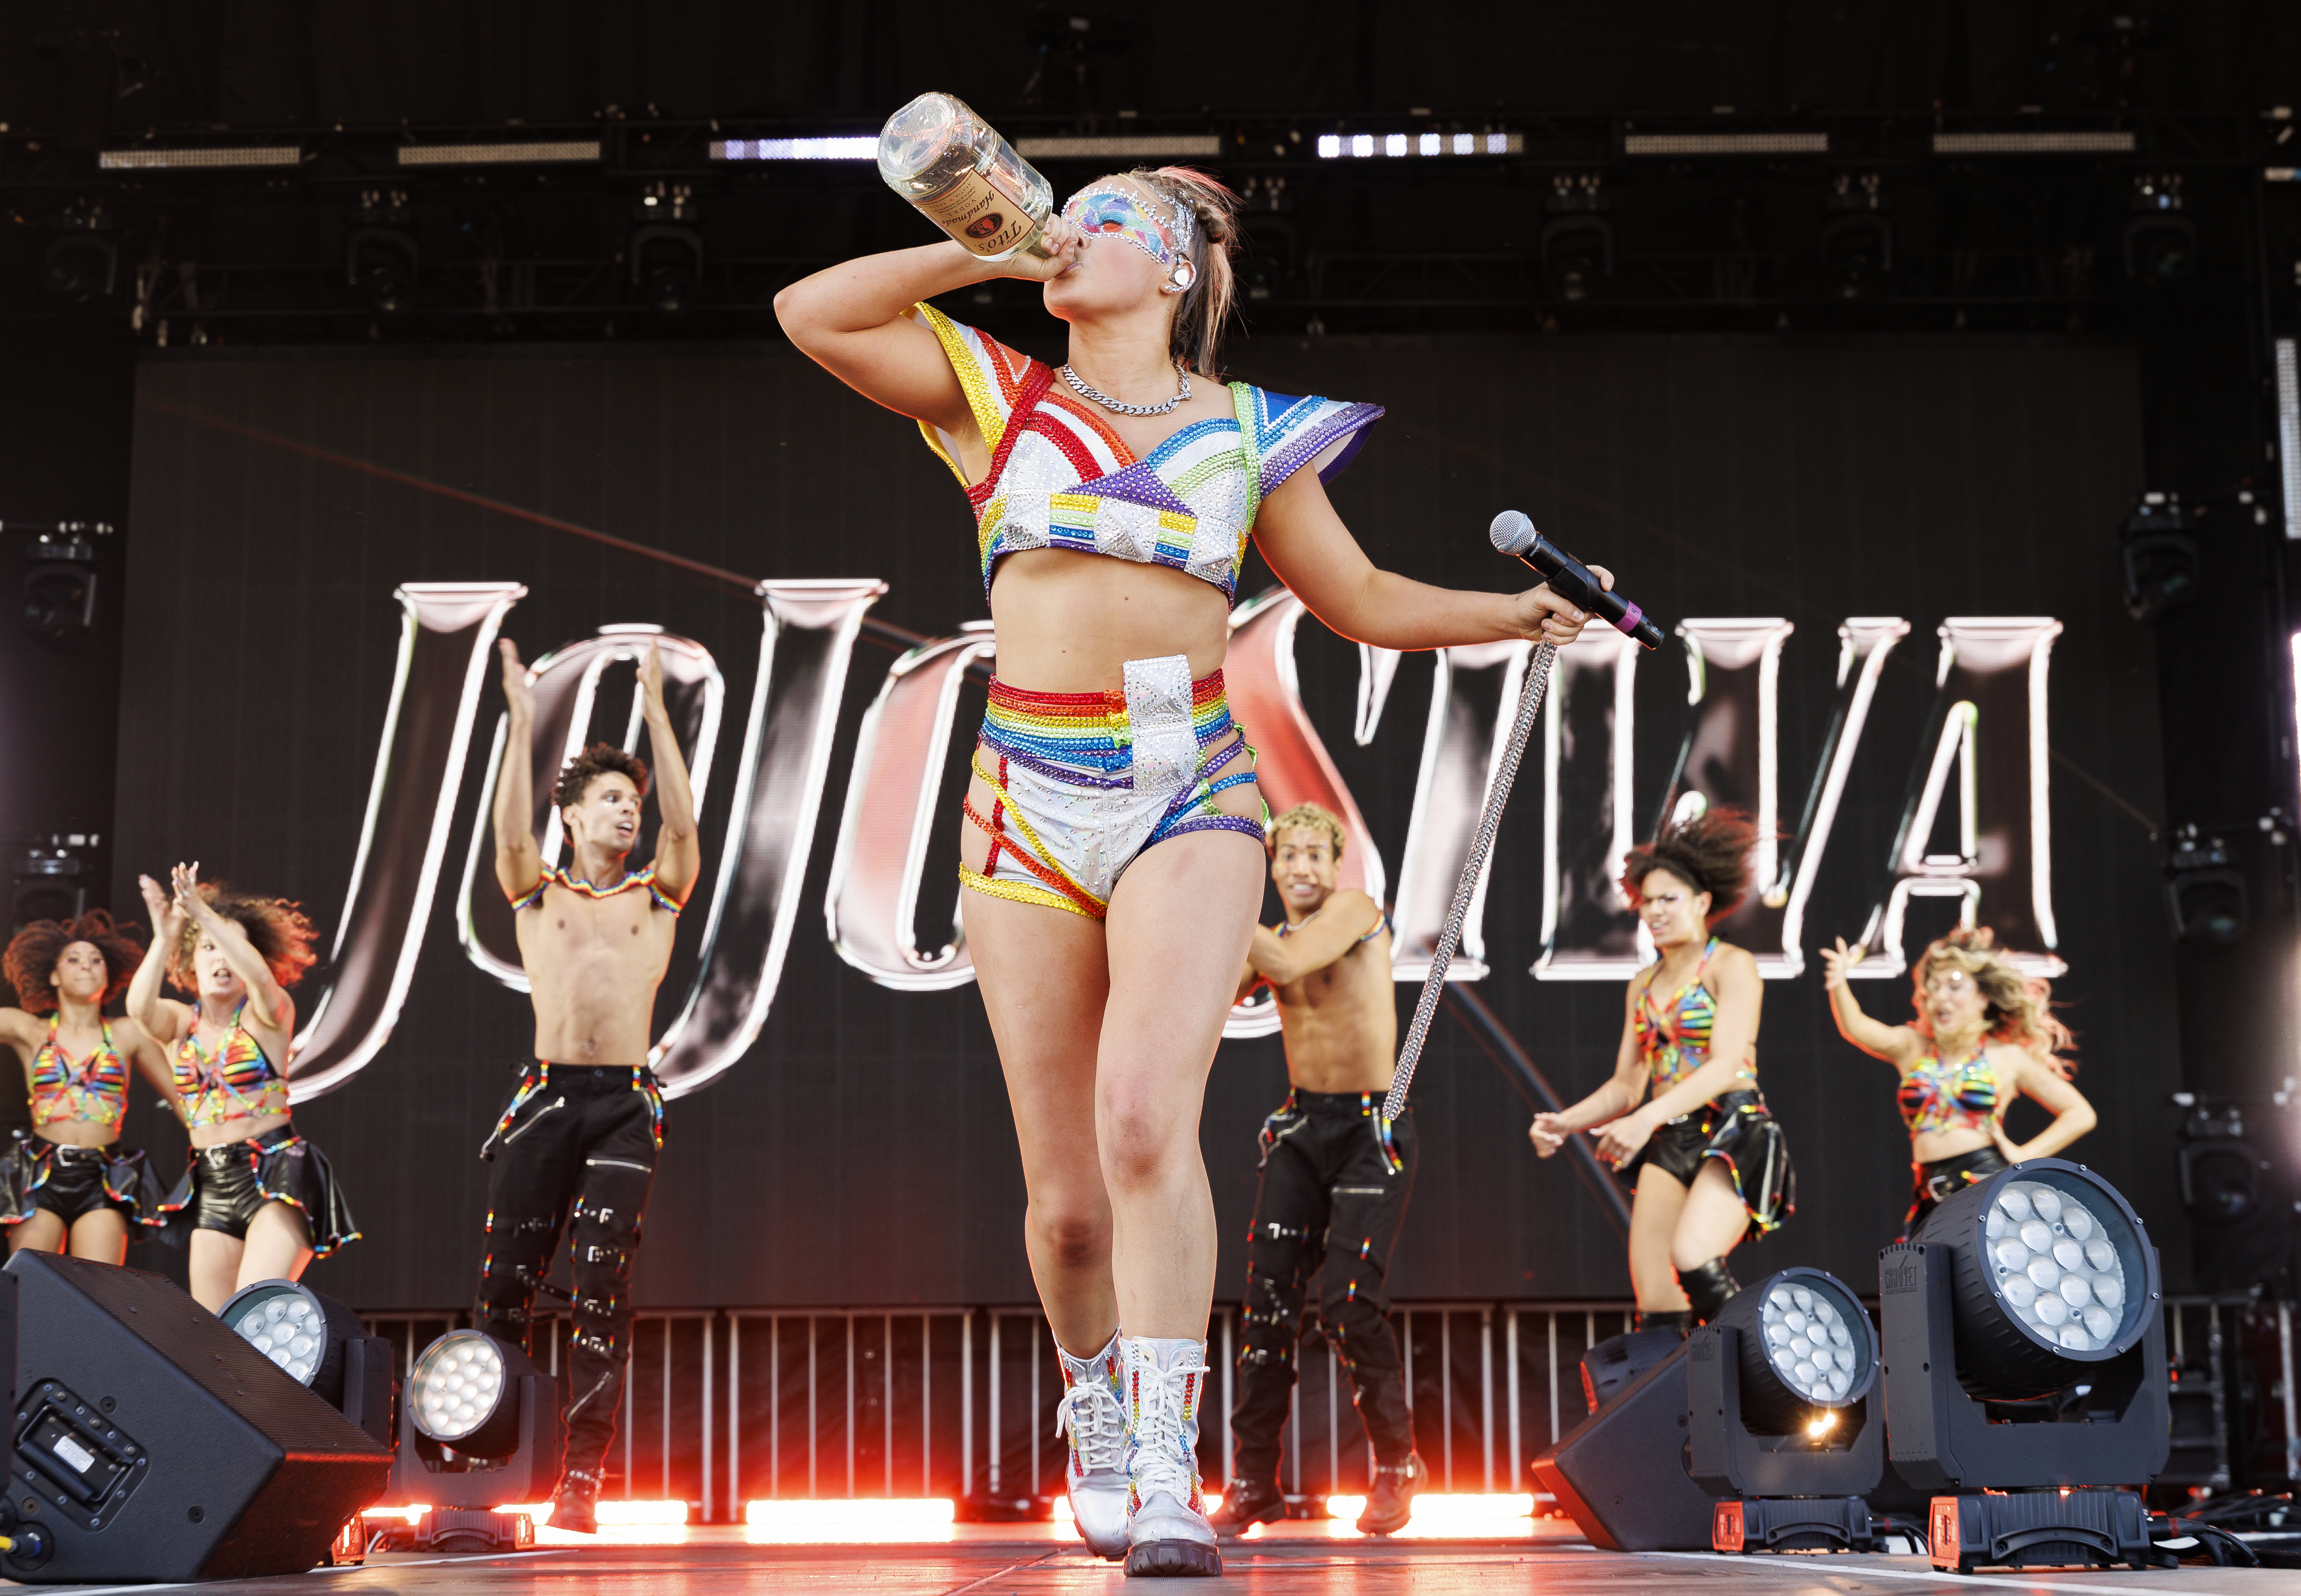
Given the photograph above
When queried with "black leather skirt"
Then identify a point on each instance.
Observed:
(227, 1184)
(68, 1182)
(1737, 1128)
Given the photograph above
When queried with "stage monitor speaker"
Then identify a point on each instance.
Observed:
(153, 1443)
(1621, 1474)
(1608, 1368)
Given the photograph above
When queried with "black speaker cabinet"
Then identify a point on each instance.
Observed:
(152, 1443)
(1621, 1474)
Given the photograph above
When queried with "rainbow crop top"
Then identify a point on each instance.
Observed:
(1060, 477)
(553, 876)
(94, 1090)
(1960, 1097)
(235, 1081)
(1674, 1038)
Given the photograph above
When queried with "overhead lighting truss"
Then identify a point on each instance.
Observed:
(529, 152)
(795, 149)
(1726, 143)
(203, 157)
(1347, 146)
(2105, 142)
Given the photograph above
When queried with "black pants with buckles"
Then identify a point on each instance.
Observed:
(575, 1150)
(1334, 1182)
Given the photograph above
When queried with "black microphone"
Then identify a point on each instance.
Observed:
(1570, 579)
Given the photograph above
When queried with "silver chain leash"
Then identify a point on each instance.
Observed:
(1450, 935)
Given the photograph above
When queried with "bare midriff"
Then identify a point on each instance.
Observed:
(1069, 621)
(1341, 1023)
(593, 965)
(246, 1127)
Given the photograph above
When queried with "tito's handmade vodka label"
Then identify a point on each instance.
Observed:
(952, 164)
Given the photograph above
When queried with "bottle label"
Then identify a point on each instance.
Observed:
(982, 219)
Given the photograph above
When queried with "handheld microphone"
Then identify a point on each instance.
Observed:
(1570, 579)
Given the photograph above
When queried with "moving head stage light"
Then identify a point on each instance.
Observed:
(322, 1346)
(1783, 1419)
(2025, 1357)
(479, 1426)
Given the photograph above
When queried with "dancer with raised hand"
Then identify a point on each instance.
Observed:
(260, 1202)
(1984, 1034)
(1113, 856)
(576, 1147)
(70, 1186)
(1703, 1157)
(1334, 1177)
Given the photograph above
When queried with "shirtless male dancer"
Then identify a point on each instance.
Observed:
(585, 1124)
(1335, 1175)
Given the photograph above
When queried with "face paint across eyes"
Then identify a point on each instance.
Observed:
(1108, 213)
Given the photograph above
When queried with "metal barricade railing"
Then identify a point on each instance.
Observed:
(725, 1406)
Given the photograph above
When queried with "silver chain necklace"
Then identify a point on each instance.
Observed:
(1079, 387)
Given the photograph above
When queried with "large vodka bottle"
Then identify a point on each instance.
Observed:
(939, 154)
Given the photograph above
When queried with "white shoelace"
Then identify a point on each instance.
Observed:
(1160, 1461)
(1090, 1416)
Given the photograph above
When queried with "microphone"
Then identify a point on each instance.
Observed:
(1570, 579)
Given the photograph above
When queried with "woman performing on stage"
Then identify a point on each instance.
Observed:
(1984, 1033)
(1113, 850)
(260, 1200)
(70, 1186)
(1705, 1158)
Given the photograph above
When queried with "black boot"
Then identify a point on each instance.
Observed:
(1707, 1286)
(1390, 1500)
(575, 1505)
(1682, 1320)
(1246, 1505)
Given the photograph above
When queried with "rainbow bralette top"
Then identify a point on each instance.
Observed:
(1963, 1096)
(234, 1081)
(94, 1090)
(1674, 1038)
(1060, 477)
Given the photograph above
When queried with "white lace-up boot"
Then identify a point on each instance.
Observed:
(1166, 1528)
(1092, 1418)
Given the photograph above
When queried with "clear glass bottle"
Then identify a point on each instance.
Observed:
(939, 154)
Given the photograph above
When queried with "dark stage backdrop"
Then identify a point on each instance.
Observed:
(861, 1152)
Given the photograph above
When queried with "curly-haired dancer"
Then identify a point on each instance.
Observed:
(1984, 1034)
(260, 1202)
(576, 1145)
(1705, 1157)
(1113, 860)
(70, 1185)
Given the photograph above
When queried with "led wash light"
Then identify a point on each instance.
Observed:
(456, 1385)
(1809, 1343)
(2056, 1266)
(288, 1328)
(320, 1344)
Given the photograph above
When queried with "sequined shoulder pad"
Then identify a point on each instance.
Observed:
(1282, 433)
(992, 374)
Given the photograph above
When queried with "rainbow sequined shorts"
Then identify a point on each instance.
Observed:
(1082, 783)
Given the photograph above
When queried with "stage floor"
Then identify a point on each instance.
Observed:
(990, 1560)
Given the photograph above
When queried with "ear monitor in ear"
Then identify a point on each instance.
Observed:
(1186, 274)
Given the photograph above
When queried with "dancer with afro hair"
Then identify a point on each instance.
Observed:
(70, 1185)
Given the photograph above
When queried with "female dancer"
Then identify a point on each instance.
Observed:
(70, 1186)
(1705, 1158)
(260, 1201)
(1984, 1032)
(1114, 851)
